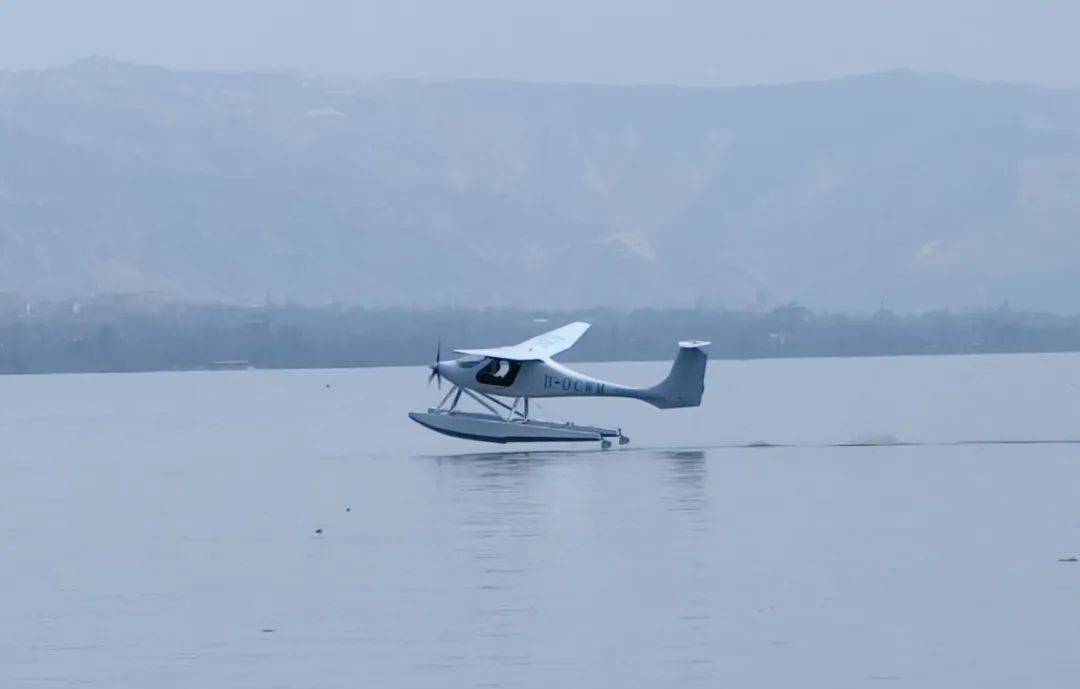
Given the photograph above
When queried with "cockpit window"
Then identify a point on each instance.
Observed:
(469, 361)
(499, 372)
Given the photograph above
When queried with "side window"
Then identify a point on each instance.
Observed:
(499, 372)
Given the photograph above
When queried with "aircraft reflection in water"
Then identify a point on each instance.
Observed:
(526, 370)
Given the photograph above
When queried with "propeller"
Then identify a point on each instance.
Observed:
(435, 367)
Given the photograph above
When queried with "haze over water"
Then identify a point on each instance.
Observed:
(160, 530)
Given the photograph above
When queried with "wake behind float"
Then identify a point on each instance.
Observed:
(525, 371)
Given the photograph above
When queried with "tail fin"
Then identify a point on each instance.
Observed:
(686, 381)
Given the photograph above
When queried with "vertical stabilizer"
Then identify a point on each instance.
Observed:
(686, 381)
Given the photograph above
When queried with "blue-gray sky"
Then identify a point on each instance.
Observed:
(689, 42)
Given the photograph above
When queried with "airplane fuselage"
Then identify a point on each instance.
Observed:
(536, 378)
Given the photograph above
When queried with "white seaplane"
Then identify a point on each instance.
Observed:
(525, 371)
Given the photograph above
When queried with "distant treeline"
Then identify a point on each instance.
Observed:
(131, 335)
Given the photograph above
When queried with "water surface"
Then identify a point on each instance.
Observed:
(160, 530)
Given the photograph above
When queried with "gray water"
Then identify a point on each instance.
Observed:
(159, 530)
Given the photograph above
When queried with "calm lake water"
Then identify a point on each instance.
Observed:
(160, 530)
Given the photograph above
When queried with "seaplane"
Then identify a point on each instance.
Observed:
(527, 371)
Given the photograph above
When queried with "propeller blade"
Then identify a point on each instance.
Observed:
(438, 360)
(435, 367)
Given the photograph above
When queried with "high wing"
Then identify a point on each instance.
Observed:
(540, 347)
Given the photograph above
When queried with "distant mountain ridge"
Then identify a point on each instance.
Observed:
(918, 191)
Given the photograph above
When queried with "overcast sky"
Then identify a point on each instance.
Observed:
(690, 42)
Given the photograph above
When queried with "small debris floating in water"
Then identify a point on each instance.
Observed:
(1069, 559)
(318, 530)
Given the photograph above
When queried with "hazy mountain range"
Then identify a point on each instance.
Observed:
(917, 191)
